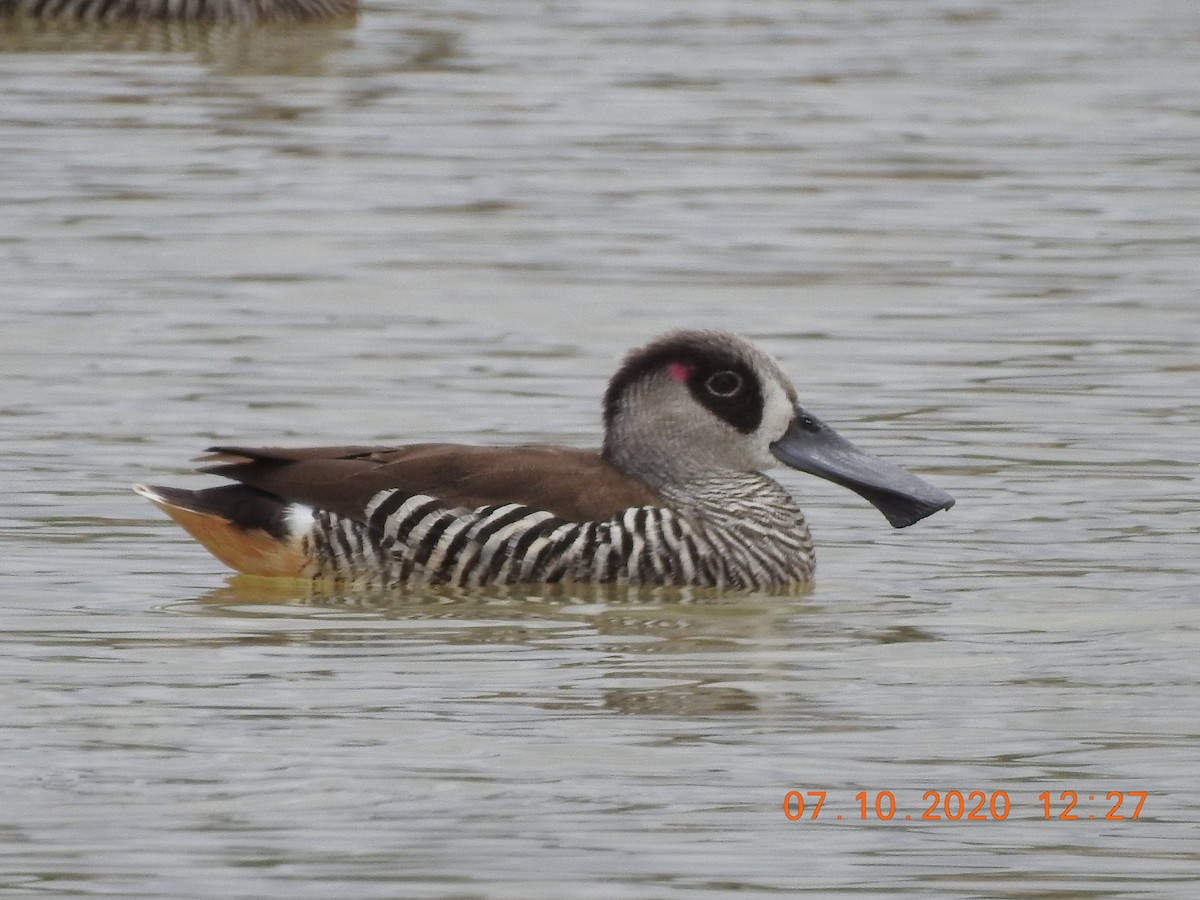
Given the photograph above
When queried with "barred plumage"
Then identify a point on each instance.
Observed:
(754, 538)
(676, 496)
(228, 11)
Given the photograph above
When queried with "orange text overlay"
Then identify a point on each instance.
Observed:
(965, 806)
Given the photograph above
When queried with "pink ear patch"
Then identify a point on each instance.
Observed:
(678, 371)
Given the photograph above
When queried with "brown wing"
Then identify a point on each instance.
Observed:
(575, 485)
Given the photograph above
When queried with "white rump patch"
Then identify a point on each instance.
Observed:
(300, 518)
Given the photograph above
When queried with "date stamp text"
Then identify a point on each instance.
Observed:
(966, 806)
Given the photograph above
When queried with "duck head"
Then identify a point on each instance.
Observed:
(696, 404)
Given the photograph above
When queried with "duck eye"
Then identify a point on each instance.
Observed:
(723, 384)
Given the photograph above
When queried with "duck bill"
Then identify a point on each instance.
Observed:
(812, 446)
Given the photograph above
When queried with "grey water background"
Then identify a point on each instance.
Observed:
(970, 231)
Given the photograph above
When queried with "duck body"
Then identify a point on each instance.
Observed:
(675, 497)
(210, 11)
(472, 516)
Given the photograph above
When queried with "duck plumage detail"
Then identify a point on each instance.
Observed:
(675, 497)
(224, 11)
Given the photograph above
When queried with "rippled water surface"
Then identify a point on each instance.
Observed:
(970, 231)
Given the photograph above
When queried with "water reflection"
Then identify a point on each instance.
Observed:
(691, 699)
(699, 618)
(627, 650)
(243, 589)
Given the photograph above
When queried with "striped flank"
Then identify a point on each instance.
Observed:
(420, 540)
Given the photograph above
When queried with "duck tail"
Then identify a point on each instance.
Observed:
(249, 530)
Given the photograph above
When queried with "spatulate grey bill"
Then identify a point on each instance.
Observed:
(813, 447)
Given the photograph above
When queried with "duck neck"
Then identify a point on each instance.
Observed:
(730, 498)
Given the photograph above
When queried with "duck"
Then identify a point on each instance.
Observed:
(224, 11)
(677, 494)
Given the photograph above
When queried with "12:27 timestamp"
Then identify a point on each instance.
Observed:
(969, 806)
(1113, 801)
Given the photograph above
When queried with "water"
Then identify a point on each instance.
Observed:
(971, 234)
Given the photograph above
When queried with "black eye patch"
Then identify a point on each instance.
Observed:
(715, 371)
(729, 390)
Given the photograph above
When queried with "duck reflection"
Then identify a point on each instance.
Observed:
(658, 651)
